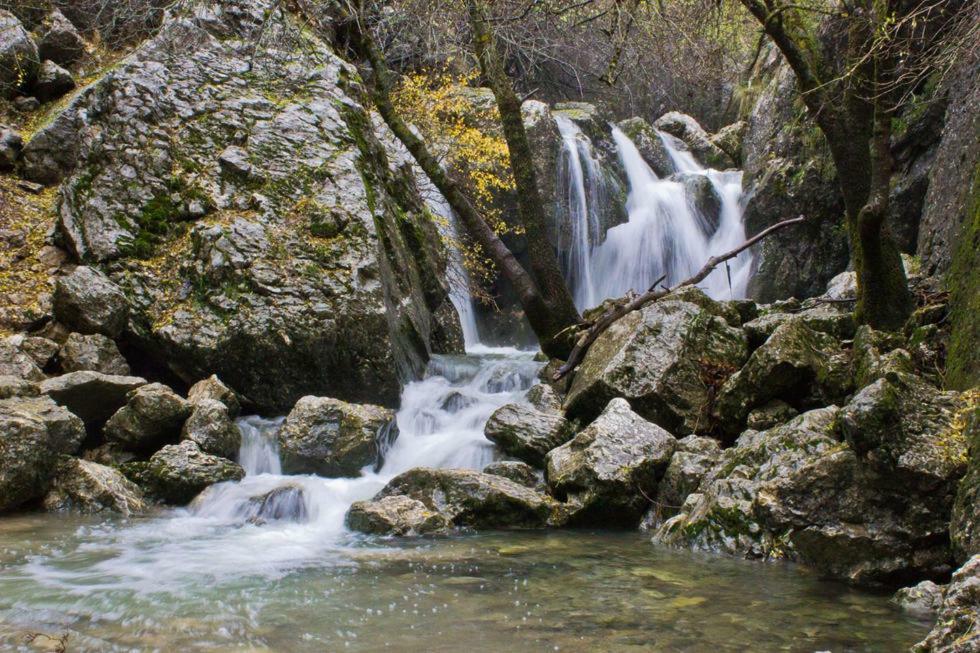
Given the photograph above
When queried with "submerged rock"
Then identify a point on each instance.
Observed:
(526, 433)
(94, 352)
(957, 628)
(88, 302)
(330, 437)
(286, 503)
(211, 427)
(609, 471)
(396, 515)
(92, 396)
(179, 472)
(88, 487)
(34, 432)
(153, 416)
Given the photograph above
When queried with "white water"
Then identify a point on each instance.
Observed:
(665, 235)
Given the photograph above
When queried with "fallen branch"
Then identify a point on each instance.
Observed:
(628, 305)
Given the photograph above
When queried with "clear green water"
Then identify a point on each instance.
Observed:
(513, 591)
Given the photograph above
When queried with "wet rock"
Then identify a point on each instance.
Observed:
(823, 318)
(473, 499)
(691, 462)
(213, 388)
(729, 140)
(796, 364)
(516, 471)
(878, 354)
(664, 360)
(59, 40)
(648, 143)
(608, 472)
(772, 413)
(52, 82)
(94, 352)
(88, 302)
(526, 433)
(702, 197)
(957, 628)
(153, 416)
(179, 472)
(330, 437)
(697, 140)
(16, 363)
(923, 600)
(964, 527)
(396, 515)
(18, 55)
(92, 396)
(34, 431)
(87, 487)
(544, 398)
(14, 386)
(212, 428)
(11, 145)
(286, 503)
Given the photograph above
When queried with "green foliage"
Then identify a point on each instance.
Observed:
(963, 357)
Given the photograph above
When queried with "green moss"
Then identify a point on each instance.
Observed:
(963, 357)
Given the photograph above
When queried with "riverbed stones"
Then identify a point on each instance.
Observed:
(211, 427)
(609, 471)
(473, 499)
(88, 487)
(88, 302)
(153, 416)
(213, 388)
(396, 515)
(524, 432)
(664, 360)
(18, 55)
(91, 395)
(58, 40)
(179, 472)
(94, 352)
(957, 628)
(330, 437)
(34, 432)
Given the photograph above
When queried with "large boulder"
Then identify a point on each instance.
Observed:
(212, 428)
(330, 437)
(526, 433)
(88, 302)
(179, 472)
(17, 363)
(650, 146)
(694, 458)
(688, 130)
(52, 82)
(473, 499)
(153, 416)
(58, 39)
(664, 360)
(609, 471)
(34, 431)
(92, 396)
(18, 55)
(88, 487)
(213, 388)
(317, 272)
(516, 471)
(957, 628)
(396, 515)
(94, 352)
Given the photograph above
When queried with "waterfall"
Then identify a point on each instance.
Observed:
(459, 277)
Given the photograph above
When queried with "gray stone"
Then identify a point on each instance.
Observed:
(213, 388)
(526, 433)
(923, 600)
(609, 471)
(824, 318)
(59, 40)
(52, 82)
(517, 471)
(11, 145)
(212, 428)
(18, 55)
(286, 503)
(15, 362)
(14, 386)
(93, 352)
(41, 350)
(544, 398)
(396, 515)
(650, 146)
(87, 487)
(694, 458)
(964, 527)
(957, 628)
(88, 302)
(772, 413)
(729, 140)
(153, 416)
(179, 472)
(92, 396)
(697, 140)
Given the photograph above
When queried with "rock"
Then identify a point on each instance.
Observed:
(153, 416)
(26, 104)
(526, 433)
(14, 386)
(543, 398)
(702, 197)
(59, 40)
(34, 431)
(796, 364)
(41, 350)
(650, 146)
(18, 55)
(729, 139)
(923, 600)
(109, 454)
(330, 437)
(285, 503)
(84, 486)
(179, 472)
(957, 628)
(772, 413)
(694, 458)
(824, 318)
(609, 471)
(88, 302)
(211, 427)
(877, 354)
(52, 82)
(234, 161)
(842, 286)
(516, 471)
(688, 130)
(964, 527)
(664, 360)
(92, 396)
(11, 145)
(472, 499)
(213, 388)
(230, 275)
(396, 515)
(94, 352)
(16, 363)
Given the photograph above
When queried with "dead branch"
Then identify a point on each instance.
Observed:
(627, 305)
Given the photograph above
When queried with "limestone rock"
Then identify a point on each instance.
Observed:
(688, 130)
(52, 82)
(18, 364)
(92, 396)
(59, 40)
(213, 388)
(878, 354)
(658, 359)
(153, 416)
(473, 499)
(516, 471)
(211, 427)
(964, 527)
(923, 599)
(84, 486)
(11, 144)
(93, 352)
(544, 398)
(330, 437)
(88, 302)
(14, 386)
(609, 471)
(179, 472)
(823, 318)
(694, 458)
(18, 55)
(396, 515)
(34, 431)
(957, 628)
(526, 433)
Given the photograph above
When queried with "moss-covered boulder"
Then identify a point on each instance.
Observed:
(213, 388)
(179, 472)
(526, 433)
(649, 144)
(153, 416)
(964, 527)
(88, 487)
(694, 458)
(608, 473)
(696, 139)
(396, 515)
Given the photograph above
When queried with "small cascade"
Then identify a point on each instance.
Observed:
(259, 453)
